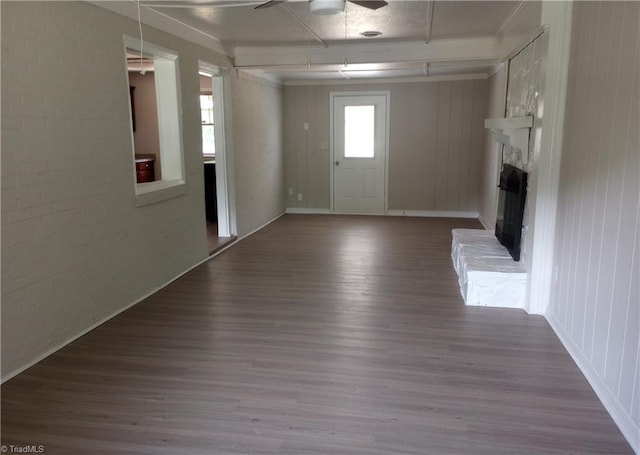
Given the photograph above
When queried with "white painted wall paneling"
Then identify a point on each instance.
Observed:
(75, 248)
(595, 304)
(436, 132)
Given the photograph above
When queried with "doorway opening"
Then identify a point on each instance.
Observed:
(216, 159)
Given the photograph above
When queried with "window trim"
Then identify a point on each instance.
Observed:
(172, 182)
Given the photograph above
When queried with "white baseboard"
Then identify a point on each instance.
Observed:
(433, 213)
(114, 314)
(261, 226)
(620, 416)
(417, 213)
(304, 210)
(53, 350)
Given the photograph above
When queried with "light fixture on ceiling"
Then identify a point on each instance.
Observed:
(371, 34)
(326, 7)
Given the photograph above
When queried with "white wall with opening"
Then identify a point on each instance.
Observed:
(223, 159)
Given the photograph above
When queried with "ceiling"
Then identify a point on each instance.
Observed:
(419, 38)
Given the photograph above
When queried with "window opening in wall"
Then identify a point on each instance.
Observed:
(144, 117)
(154, 87)
(208, 125)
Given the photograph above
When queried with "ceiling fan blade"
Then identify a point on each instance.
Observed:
(370, 4)
(270, 3)
(197, 3)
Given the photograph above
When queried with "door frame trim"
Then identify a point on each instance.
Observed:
(387, 125)
(224, 154)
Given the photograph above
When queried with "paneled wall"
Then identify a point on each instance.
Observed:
(435, 144)
(258, 151)
(595, 303)
(75, 248)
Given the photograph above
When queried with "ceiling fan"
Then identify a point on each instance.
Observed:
(321, 7)
(329, 6)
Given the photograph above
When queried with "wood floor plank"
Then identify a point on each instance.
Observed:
(316, 335)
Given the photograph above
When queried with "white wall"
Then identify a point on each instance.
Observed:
(435, 144)
(595, 299)
(258, 151)
(75, 248)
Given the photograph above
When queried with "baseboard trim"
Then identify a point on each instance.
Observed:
(416, 213)
(51, 351)
(260, 227)
(433, 213)
(307, 211)
(619, 415)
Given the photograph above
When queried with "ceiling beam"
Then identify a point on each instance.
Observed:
(484, 49)
(188, 4)
(164, 22)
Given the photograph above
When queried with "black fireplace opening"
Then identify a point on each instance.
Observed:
(511, 198)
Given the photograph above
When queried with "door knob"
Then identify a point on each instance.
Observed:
(337, 163)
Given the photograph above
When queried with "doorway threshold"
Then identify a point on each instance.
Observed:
(214, 242)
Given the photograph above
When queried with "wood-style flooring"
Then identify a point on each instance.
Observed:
(316, 335)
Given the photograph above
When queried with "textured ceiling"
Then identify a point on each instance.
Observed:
(398, 21)
(237, 25)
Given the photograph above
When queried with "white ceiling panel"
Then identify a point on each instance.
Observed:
(238, 25)
(242, 25)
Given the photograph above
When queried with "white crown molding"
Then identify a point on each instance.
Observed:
(511, 17)
(161, 21)
(486, 48)
(496, 69)
(520, 28)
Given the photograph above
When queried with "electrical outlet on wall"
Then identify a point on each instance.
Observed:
(306, 126)
(299, 196)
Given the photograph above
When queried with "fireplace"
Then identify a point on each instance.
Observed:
(512, 195)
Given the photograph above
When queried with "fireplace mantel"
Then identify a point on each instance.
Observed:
(513, 132)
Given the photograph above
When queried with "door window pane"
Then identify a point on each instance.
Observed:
(358, 131)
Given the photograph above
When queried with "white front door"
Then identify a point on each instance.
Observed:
(359, 152)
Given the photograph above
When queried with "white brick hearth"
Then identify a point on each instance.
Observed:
(487, 274)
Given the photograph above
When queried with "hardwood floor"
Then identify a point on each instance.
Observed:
(316, 335)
